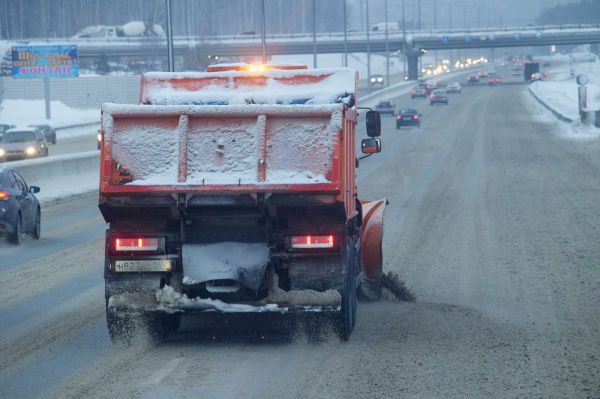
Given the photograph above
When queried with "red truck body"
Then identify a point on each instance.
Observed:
(246, 161)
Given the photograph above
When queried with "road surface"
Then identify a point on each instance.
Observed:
(493, 223)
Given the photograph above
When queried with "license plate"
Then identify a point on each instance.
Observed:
(160, 265)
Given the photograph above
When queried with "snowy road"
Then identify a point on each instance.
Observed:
(493, 223)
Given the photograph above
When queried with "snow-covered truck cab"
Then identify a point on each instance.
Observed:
(234, 191)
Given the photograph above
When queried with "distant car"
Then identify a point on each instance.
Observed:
(482, 74)
(19, 208)
(377, 80)
(454, 87)
(546, 63)
(408, 117)
(432, 84)
(48, 132)
(472, 79)
(385, 107)
(4, 127)
(517, 72)
(536, 76)
(421, 90)
(438, 96)
(23, 143)
(494, 80)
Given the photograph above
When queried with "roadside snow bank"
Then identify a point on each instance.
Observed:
(559, 92)
(562, 97)
(28, 112)
(569, 130)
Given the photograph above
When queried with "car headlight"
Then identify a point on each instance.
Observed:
(99, 137)
(2, 152)
(30, 151)
(380, 79)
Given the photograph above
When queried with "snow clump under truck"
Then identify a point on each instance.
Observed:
(233, 191)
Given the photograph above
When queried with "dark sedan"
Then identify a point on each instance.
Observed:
(385, 107)
(408, 117)
(419, 91)
(473, 79)
(438, 96)
(48, 132)
(19, 208)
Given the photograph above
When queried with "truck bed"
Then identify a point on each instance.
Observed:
(221, 148)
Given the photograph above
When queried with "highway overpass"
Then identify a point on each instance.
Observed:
(356, 42)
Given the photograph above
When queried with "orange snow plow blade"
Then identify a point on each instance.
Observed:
(371, 251)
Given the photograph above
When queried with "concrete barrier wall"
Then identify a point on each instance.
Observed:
(58, 167)
(84, 92)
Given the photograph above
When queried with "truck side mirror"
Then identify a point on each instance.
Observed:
(373, 124)
(370, 146)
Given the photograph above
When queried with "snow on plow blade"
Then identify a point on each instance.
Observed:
(371, 250)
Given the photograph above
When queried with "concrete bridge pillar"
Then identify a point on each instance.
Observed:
(412, 59)
(413, 66)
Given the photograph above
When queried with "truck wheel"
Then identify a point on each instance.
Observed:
(347, 316)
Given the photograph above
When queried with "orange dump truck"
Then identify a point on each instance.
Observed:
(233, 191)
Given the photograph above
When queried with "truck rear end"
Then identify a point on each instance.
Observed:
(225, 193)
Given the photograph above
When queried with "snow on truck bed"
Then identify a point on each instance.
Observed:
(300, 86)
(223, 145)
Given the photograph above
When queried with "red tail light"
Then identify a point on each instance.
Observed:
(312, 242)
(413, 91)
(415, 117)
(137, 244)
(4, 196)
(398, 117)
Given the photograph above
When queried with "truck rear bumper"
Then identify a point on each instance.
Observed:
(167, 300)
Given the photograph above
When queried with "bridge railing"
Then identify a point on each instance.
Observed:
(338, 35)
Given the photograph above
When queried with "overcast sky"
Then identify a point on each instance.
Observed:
(473, 12)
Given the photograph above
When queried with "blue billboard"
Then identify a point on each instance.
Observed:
(56, 61)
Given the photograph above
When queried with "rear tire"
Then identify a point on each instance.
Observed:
(346, 319)
(37, 226)
(16, 237)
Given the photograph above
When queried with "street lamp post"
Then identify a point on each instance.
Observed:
(404, 37)
(314, 23)
(170, 54)
(368, 47)
(263, 33)
(435, 14)
(419, 14)
(387, 46)
(345, 35)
